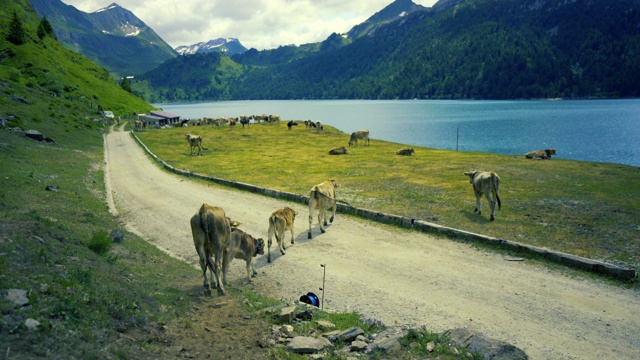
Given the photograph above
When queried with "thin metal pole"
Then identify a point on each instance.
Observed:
(322, 288)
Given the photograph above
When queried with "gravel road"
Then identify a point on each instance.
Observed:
(398, 276)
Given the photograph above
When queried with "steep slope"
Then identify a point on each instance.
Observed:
(112, 37)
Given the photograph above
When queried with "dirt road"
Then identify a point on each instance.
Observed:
(397, 276)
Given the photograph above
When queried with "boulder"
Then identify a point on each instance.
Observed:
(488, 348)
(34, 134)
(307, 345)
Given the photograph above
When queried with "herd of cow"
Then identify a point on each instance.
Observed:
(218, 240)
(215, 235)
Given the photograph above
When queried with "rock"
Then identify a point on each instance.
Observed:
(117, 236)
(349, 334)
(34, 134)
(32, 324)
(389, 344)
(307, 345)
(488, 348)
(325, 325)
(287, 314)
(430, 346)
(53, 188)
(358, 345)
(17, 98)
(17, 297)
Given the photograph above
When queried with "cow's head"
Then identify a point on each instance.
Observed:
(259, 246)
(333, 182)
(551, 151)
(471, 175)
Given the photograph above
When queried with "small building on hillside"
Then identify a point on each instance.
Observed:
(158, 119)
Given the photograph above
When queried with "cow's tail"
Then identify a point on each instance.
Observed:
(208, 251)
(272, 228)
(495, 181)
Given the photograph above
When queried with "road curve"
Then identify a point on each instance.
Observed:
(398, 276)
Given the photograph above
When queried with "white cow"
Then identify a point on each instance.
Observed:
(322, 197)
(487, 183)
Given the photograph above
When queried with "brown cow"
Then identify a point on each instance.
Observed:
(194, 141)
(408, 151)
(338, 151)
(541, 154)
(487, 183)
(322, 197)
(232, 123)
(279, 222)
(246, 247)
(360, 134)
(211, 232)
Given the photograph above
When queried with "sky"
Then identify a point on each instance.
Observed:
(259, 24)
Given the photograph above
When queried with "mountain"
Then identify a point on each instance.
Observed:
(229, 47)
(457, 49)
(394, 11)
(112, 37)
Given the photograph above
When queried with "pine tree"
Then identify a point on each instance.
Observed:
(17, 34)
(45, 28)
(125, 84)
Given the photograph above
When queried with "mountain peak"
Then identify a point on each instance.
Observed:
(228, 46)
(391, 12)
(112, 6)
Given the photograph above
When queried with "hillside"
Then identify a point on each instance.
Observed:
(462, 49)
(112, 37)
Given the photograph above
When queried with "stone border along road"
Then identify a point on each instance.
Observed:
(569, 260)
(398, 276)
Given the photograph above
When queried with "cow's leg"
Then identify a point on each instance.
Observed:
(203, 266)
(226, 261)
(249, 269)
(217, 269)
(477, 209)
(292, 239)
(310, 216)
(280, 238)
(322, 219)
(492, 204)
(333, 215)
(269, 242)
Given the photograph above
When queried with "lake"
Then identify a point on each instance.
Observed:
(589, 130)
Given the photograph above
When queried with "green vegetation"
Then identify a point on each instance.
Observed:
(582, 208)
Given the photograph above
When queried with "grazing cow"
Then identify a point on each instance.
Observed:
(279, 222)
(274, 119)
(291, 123)
(246, 247)
(487, 183)
(310, 124)
(211, 232)
(245, 120)
(338, 151)
(319, 126)
(408, 151)
(195, 141)
(322, 197)
(232, 123)
(541, 154)
(359, 135)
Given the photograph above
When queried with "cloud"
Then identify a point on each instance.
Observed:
(260, 24)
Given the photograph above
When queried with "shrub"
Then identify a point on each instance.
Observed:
(100, 242)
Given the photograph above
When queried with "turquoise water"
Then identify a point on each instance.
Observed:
(590, 130)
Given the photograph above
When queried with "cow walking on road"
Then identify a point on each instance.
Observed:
(485, 183)
(279, 222)
(211, 230)
(321, 198)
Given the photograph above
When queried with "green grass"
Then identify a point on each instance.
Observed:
(582, 208)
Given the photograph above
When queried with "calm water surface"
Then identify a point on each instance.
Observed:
(590, 130)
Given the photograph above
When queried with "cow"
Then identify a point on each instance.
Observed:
(310, 124)
(194, 141)
(246, 247)
(359, 135)
(322, 197)
(487, 183)
(319, 126)
(245, 120)
(408, 151)
(232, 123)
(279, 222)
(338, 151)
(541, 154)
(211, 230)
(274, 119)
(291, 124)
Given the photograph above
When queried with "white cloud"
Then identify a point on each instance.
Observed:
(260, 24)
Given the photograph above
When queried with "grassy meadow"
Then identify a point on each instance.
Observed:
(582, 208)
